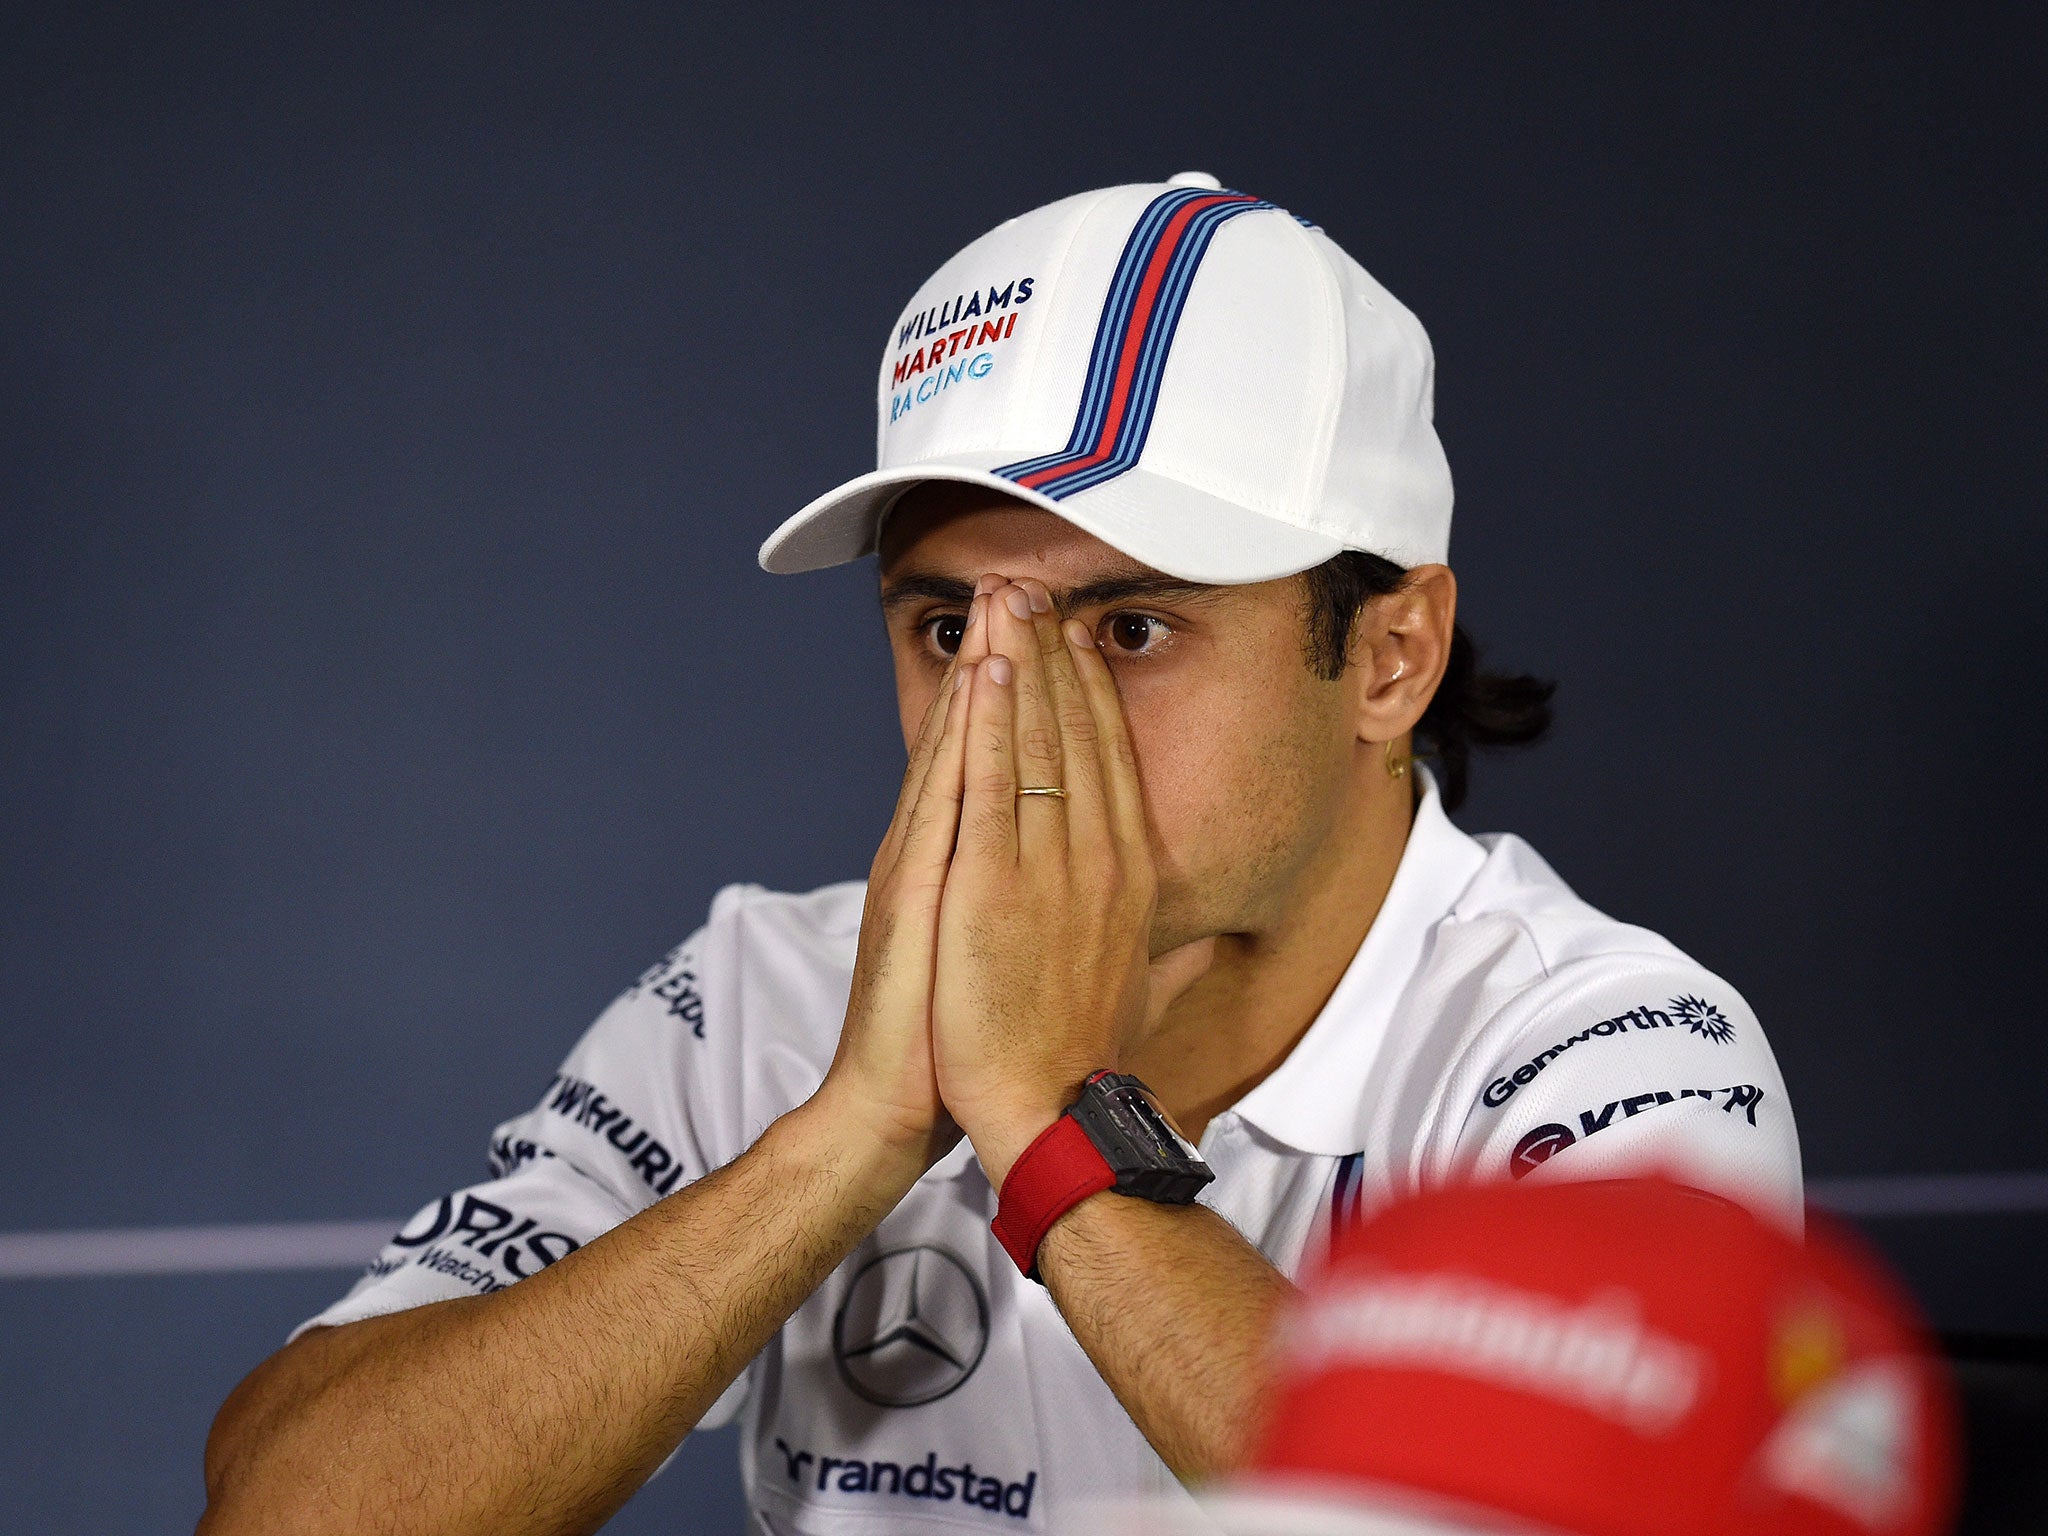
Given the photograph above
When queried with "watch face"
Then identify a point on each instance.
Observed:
(1151, 1159)
(1139, 1119)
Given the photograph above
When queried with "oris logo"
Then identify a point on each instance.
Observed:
(486, 1229)
(912, 1328)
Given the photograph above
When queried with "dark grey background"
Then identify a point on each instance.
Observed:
(390, 407)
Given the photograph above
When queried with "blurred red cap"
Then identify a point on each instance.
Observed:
(1620, 1358)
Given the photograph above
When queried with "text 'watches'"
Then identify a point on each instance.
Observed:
(1113, 1137)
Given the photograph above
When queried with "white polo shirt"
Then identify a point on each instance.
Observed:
(1492, 1025)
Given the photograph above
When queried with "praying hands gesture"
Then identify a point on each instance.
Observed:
(1005, 942)
(1043, 972)
(1017, 883)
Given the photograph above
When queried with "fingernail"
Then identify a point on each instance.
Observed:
(999, 669)
(987, 583)
(964, 676)
(1041, 600)
(1019, 602)
(1077, 634)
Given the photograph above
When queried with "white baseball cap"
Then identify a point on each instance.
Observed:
(1197, 377)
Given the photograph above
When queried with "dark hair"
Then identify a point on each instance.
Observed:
(1471, 708)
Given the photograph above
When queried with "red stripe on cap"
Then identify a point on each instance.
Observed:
(1134, 340)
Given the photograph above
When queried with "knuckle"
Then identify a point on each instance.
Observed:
(1041, 743)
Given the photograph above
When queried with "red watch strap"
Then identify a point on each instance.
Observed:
(1056, 1173)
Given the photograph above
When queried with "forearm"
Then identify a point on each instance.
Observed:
(540, 1408)
(1174, 1308)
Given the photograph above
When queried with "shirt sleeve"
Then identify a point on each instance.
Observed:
(1631, 1065)
(613, 1133)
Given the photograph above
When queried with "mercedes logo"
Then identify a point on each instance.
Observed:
(912, 1327)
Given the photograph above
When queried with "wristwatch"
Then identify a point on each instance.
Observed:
(1113, 1137)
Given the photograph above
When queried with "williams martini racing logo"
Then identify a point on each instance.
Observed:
(1696, 1014)
(1546, 1141)
(953, 342)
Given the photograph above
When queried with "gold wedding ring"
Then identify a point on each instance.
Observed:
(1043, 789)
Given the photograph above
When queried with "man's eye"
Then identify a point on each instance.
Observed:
(1133, 633)
(947, 631)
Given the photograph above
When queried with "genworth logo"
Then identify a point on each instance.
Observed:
(1702, 1018)
(1688, 1012)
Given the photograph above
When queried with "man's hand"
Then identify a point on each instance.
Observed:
(1044, 971)
(882, 1074)
(1044, 976)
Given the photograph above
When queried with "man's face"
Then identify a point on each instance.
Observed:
(1243, 752)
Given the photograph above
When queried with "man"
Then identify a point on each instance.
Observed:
(1620, 1358)
(1161, 521)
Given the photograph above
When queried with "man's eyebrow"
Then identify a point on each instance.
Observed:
(919, 589)
(1147, 586)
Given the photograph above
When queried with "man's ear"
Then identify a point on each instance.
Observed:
(1399, 649)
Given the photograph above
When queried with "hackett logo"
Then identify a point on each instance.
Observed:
(1696, 1014)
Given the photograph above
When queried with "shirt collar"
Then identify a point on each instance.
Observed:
(1313, 1101)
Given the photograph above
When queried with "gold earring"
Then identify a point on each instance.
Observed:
(1397, 765)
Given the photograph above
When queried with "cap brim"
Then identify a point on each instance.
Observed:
(1187, 533)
